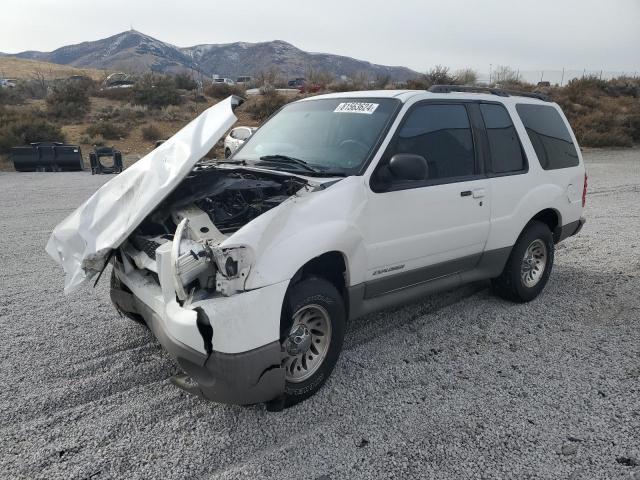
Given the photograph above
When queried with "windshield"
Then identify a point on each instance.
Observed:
(328, 136)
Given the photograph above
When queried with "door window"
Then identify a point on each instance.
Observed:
(442, 135)
(504, 143)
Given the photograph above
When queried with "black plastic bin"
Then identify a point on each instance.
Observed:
(101, 153)
(47, 157)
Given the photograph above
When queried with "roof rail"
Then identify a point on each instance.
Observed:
(500, 92)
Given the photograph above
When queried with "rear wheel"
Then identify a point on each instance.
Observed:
(529, 266)
(311, 336)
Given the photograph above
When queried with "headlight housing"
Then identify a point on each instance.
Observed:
(234, 265)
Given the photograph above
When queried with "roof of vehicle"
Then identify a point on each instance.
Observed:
(476, 93)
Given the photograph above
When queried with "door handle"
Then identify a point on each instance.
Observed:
(466, 193)
(478, 193)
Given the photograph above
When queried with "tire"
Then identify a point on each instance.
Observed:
(227, 153)
(529, 265)
(306, 304)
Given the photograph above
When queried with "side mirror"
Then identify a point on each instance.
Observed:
(408, 166)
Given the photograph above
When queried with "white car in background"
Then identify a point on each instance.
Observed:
(236, 138)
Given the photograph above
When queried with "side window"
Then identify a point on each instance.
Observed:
(442, 135)
(504, 144)
(243, 133)
(233, 133)
(549, 136)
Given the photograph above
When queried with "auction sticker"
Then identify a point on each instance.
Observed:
(356, 107)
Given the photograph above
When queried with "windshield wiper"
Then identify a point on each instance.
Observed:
(289, 161)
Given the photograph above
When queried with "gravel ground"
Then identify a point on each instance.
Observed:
(462, 385)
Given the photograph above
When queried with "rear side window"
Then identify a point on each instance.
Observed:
(506, 151)
(549, 136)
(442, 135)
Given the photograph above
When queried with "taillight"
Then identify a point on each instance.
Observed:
(584, 191)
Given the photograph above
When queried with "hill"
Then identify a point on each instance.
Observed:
(24, 69)
(134, 51)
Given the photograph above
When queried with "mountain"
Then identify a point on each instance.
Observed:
(136, 52)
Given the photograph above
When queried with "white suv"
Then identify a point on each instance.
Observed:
(339, 205)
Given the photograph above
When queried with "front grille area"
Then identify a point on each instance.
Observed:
(147, 246)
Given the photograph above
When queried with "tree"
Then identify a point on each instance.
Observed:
(504, 74)
(155, 91)
(69, 100)
(466, 76)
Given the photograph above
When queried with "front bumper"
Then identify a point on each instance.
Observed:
(239, 377)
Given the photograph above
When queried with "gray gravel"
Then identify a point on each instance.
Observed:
(462, 385)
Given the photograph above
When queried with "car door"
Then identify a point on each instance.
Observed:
(419, 230)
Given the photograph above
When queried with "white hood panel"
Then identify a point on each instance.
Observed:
(83, 240)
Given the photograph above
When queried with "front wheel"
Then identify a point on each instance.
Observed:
(312, 332)
(529, 266)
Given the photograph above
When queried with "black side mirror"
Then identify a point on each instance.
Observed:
(408, 166)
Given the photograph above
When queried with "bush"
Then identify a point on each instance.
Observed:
(223, 90)
(68, 100)
(23, 129)
(108, 130)
(155, 91)
(262, 107)
(151, 133)
(117, 94)
(121, 114)
(11, 96)
(185, 82)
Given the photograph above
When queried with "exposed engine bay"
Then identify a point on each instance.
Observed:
(184, 233)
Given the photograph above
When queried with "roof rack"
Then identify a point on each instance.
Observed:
(500, 92)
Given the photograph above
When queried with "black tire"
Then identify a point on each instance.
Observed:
(314, 291)
(116, 283)
(510, 285)
(227, 153)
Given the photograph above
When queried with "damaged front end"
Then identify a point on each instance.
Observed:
(186, 278)
(167, 226)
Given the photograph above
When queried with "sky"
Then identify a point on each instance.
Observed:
(526, 35)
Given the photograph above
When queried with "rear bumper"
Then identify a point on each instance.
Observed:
(242, 378)
(569, 230)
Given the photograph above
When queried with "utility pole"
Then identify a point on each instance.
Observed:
(541, 75)
(490, 66)
(562, 81)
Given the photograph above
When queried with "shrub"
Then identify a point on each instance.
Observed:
(22, 129)
(185, 82)
(223, 90)
(466, 76)
(68, 100)
(155, 91)
(151, 133)
(439, 75)
(12, 96)
(121, 114)
(108, 130)
(118, 94)
(171, 113)
(262, 107)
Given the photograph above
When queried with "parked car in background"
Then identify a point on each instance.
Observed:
(244, 80)
(236, 138)
(228, 81)
(8, 82)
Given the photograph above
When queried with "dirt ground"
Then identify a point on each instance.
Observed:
(459, 385)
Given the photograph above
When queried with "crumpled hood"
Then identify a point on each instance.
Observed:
(81, 242)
